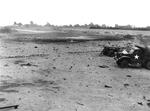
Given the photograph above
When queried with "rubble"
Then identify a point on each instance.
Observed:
(27, 64)
(128, 76)
(106, 86)
(138, 57)
(9, 107)
(148, 104)
(103, 66)
(110, 51)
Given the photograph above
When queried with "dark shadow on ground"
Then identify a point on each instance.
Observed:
(64, 37)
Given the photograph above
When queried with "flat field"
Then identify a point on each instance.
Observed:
(62, 70)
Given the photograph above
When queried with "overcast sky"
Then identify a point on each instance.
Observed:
(60, 12)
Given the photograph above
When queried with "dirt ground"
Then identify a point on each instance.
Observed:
(68, 76)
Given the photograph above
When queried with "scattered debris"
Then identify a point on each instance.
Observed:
(110, 51)
(80, 103)
(128, 76)
(103, 66)
(125, 85)
(8, 107)
(148, 104)
(43, 82)
(28, 64)
(70, 68)
(140, 103)
(106, 86)
(54, 67)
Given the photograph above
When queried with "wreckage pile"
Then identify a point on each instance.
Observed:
(135, 57)
(110, 51)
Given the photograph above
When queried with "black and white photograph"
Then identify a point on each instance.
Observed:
(74, 55)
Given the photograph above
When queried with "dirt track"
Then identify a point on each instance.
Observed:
(69, 77)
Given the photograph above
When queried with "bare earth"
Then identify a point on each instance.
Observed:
(68, 77)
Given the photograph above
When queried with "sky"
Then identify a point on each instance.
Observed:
(65, 12)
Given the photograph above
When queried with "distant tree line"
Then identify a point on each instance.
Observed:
(103, 26)
(118, 27)
(32, 24)
(89, 26)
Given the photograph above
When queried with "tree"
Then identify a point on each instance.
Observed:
(31, 23)
(104, 26)
(91, 24)
(47, 24)
(70, 25)
(76, 25)
(20, 24)
(15, 23)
